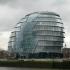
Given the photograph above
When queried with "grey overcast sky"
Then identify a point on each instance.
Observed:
(11, 11)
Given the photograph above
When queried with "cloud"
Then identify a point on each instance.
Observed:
(11, 11)
(9, 17)
(4, 38)
(7, 1)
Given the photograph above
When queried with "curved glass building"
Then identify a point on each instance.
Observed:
(38, 35)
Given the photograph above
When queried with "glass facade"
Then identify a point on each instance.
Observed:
(39, 32)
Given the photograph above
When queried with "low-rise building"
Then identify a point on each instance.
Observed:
(66, 52)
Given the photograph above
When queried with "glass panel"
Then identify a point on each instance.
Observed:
(44, 27)
(18, 24)
(48, 15)
(17, 28)
(50, 24)
(47, 19)
(51, 38)
(49, 33)
(12, 39)
(47, 43)
(31, 17)
(22, 20)
(13, 34)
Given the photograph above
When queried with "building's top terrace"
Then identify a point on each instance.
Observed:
(44, 13)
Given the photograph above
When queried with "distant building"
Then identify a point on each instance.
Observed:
(38, 35)
(66, 52)
(3, 54)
